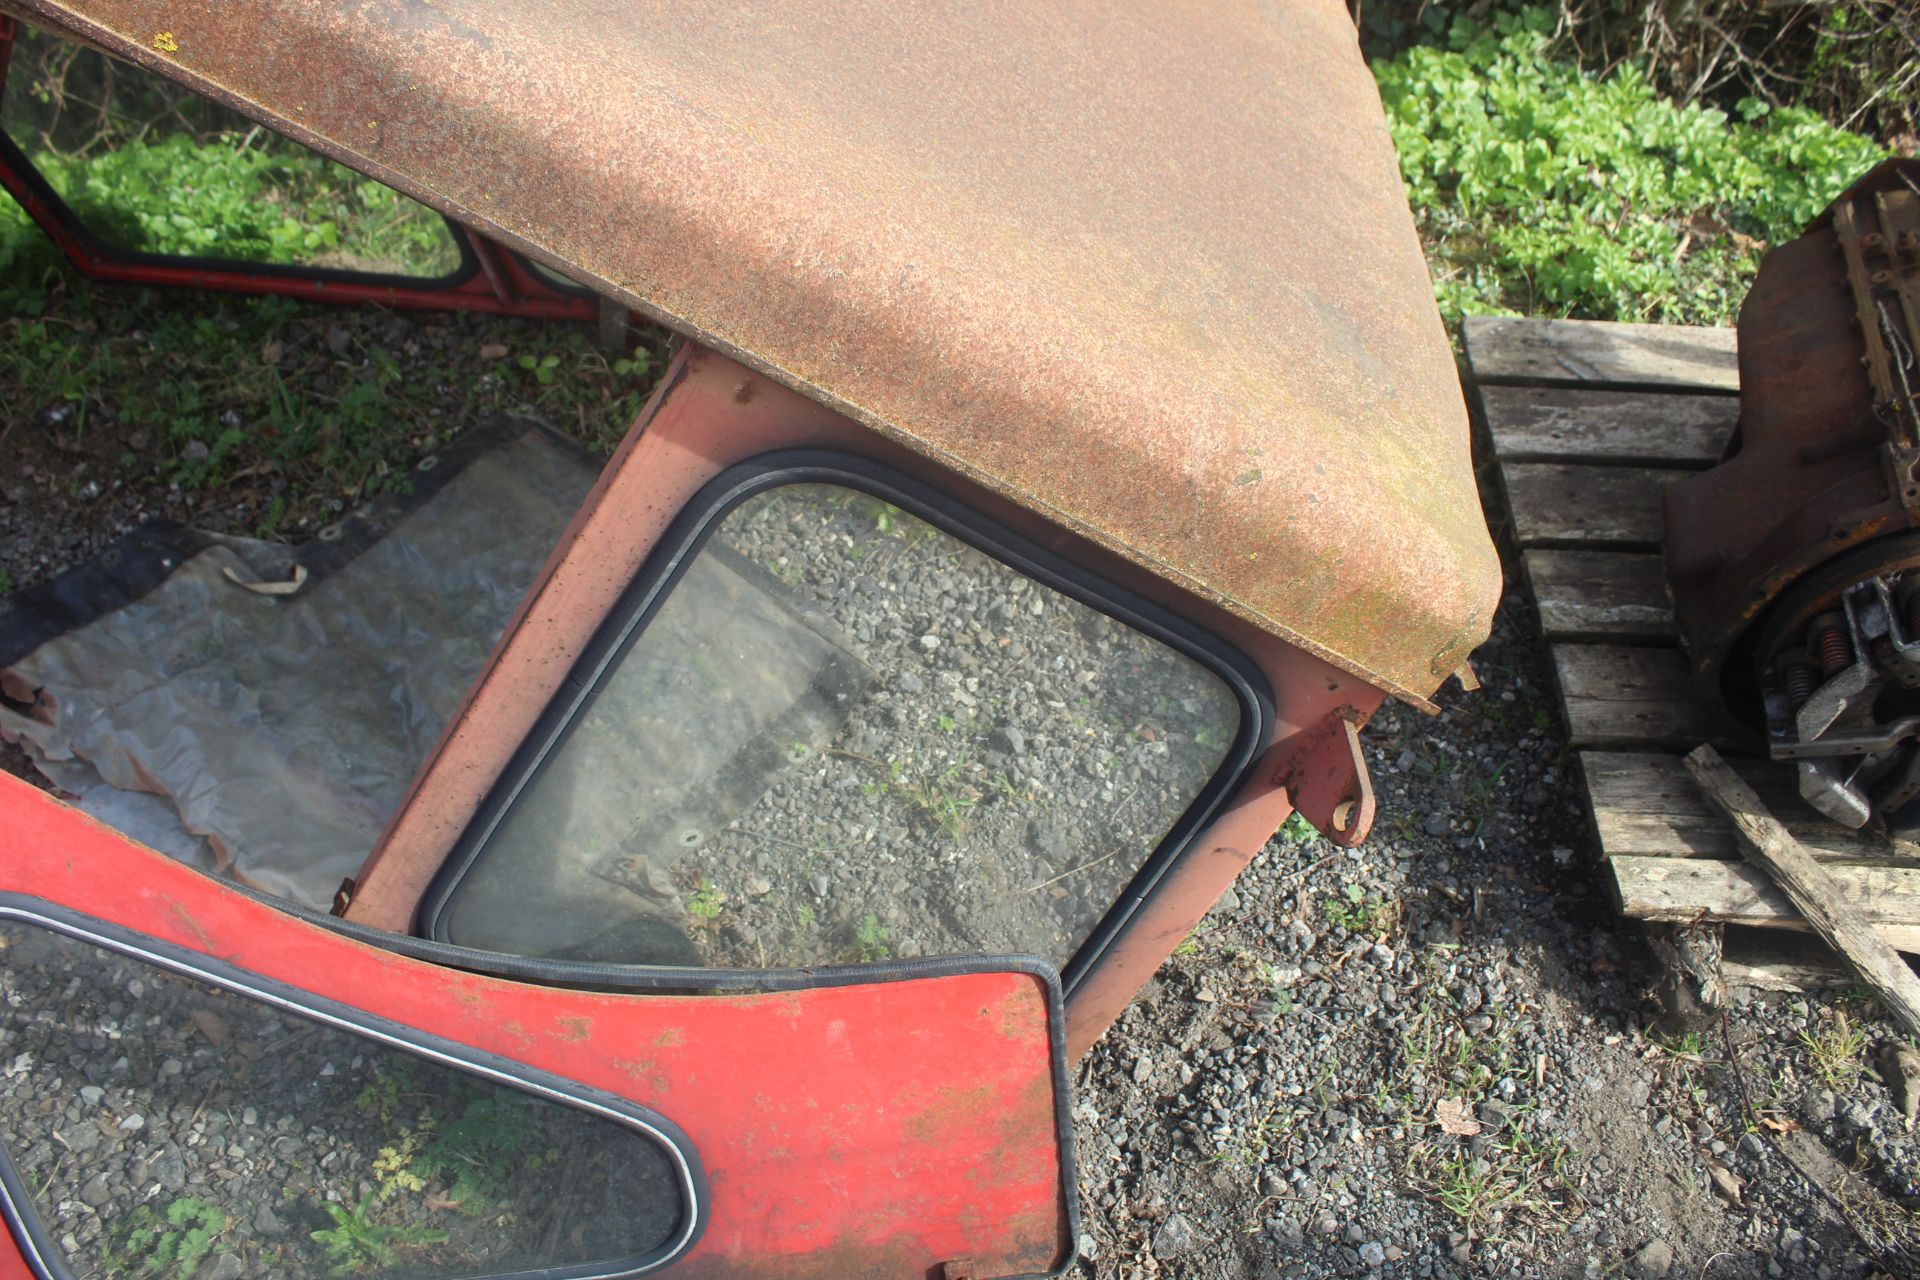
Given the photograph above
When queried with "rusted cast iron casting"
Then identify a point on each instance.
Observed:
(1795, 562)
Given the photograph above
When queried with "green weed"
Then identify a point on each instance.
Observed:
(1837, 1051)
(1545, 189)
(1515, 1174)
(1357, 911)
(871, 939)
(355, 1244)
(706, 902)
(174, 1241)
(1297, 831)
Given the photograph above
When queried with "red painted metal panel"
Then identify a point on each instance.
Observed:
(856, 1131)
(710, 413)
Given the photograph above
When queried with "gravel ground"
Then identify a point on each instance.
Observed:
(1274, 1104)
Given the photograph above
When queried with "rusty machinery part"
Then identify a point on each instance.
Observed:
(1794, 563)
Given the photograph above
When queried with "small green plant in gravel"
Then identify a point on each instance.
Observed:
(1514, 1174)
(1297, 831)
(1683, 1059)
(871, 940)
(1836, 1051)
(355, 1244)
(1544, 189)
(394, 1089)
(173, 1241)
(706, 903)
(943, 796)
(1357, 911)
(1190, 945)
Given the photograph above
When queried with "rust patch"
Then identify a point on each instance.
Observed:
(1023, 1015)
(743, 394)
(671, 1038)
(953, 1110)
(575, 1029)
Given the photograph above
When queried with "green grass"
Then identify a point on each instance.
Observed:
(1837, 1051)
(1544, 189)
(255, 197)
(1513, 1175)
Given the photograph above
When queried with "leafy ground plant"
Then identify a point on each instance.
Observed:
(1544, 189)
(173, 1241)
(355, 1244)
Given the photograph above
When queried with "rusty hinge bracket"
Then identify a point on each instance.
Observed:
(1326, 780)
(958, 1269)
(343, 897)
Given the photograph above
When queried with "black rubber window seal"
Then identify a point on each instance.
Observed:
(16, 1200)
(699, 520)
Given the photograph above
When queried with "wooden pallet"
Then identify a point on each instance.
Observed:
(1587, 425)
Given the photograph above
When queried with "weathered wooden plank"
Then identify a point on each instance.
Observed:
(1586, 595)
(1593, 352)
(1681, 890)
(1846, 905)
(1626, 696)
(1557, 504)
(1776, 960)
(1580, 424)
(1644, 804)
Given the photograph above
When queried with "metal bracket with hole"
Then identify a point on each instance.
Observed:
(1326, 780)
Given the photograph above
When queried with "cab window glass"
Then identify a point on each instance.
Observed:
(167, 1128)
(150, 166)
(848, 736)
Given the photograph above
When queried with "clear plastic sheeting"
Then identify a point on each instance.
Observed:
(282, 730)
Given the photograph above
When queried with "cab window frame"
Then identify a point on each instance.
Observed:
(703, 516)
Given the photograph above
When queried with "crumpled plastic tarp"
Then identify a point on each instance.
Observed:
(267, 737)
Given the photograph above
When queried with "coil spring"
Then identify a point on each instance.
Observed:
(1835, 653)
(1799, 681)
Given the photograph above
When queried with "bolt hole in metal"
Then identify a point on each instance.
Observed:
(1342, 815)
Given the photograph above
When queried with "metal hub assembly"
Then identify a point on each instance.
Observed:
(1795, 562)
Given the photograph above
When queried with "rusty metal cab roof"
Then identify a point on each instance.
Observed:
(1147, 269)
